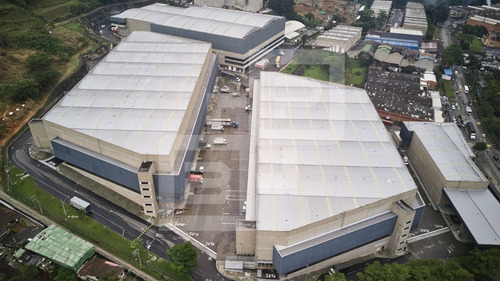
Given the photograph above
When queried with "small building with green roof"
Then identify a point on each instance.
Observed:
(62, 247)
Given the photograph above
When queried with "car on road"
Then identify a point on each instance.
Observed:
(495, 157)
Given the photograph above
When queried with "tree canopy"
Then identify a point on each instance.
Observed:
(452, 55)
(184, 257)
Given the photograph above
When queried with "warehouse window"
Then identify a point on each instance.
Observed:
(144, 182)
(145, 189)
(400, 249)
(408, 222)
(148, 205)
(146, 196)
(403, 235)
(406, 228)
(149, 212)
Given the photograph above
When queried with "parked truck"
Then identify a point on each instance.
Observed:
(262, 64)
(223, 122)
(471, 130)
(195, 178)
(468, 109)
(278, 58)
(217, 127)
(220, 141)
(80, 204)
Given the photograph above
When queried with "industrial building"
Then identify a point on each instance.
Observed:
(239, 38)
(381, 5)
(395, 39)
(292, 29)
(366, 46)
(415, 17)
(62, 247)
(134, 120)
(244, 5)
(326, 184)
(445, 164)
(340, 38)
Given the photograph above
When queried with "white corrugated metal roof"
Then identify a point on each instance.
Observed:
(137, 96)
(480, 211)
(321, 150)
(230, 23)
(448, 149)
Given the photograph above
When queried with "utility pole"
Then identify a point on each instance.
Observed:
(137, 254)
(35, 198)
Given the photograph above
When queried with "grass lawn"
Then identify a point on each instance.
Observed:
(449, 89)
(328, 66)
(476, 45)
(75, 26)
(317, 72)
(355, 72)
(24, 189)
(51, 9)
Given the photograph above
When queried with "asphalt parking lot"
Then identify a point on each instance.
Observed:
(211, 208)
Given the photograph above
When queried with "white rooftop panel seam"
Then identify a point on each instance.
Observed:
(273, 214)
(323, 177)
(103, 113)
(115, 133)
(292, 131)
(61, 114)
(349, 179)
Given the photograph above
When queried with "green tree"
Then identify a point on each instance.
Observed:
(28, 273)
(365, 58)
(336, 276)
(136, 244)
(376, 271)
(452, 55)
(408, 69)
(184, 257)
(480, 146)
(309, 16)
(64, 274)
(484, 264)
(39, 61)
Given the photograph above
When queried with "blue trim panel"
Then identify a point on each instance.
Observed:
(99, 167)
(419, 213)
(333, 247)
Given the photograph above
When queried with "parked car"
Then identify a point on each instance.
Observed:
(495, 157)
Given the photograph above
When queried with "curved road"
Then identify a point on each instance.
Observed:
(103, 211)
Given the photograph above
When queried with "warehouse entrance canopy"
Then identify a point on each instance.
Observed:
(479, 211)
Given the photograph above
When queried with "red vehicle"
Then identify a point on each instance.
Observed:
(195, 178)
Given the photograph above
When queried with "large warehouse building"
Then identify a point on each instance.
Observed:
(326, 184)
(444, 161)
(239, 38)
(340, 38)
(135, 119)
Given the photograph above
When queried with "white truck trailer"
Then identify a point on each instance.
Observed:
(80, 204)
(220, 141)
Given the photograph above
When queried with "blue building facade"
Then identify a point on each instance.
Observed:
(303, 254)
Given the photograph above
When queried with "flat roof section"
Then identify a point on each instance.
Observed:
(480, 212)
(321, 150)
(448, 149)
(137, 96)
(224, 22)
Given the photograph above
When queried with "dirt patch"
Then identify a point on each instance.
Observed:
(19, 228)
(323, 9)
(299, 71)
